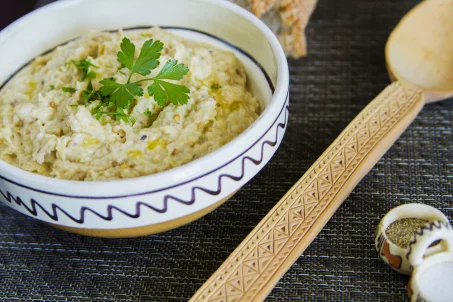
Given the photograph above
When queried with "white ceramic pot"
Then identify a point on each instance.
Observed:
(392, 254)
(432, 278)
(150, 204)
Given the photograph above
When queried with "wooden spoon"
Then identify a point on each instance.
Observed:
(419, 55)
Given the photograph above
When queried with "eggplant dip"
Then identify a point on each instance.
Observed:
(120, 105)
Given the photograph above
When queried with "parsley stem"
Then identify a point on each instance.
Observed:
(144, 80)
(129, 79)
(112, 113)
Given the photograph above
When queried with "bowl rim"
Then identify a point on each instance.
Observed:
(408, 210)
(187, 172)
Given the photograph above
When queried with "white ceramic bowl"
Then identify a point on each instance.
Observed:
(154, 203)
(392, 254)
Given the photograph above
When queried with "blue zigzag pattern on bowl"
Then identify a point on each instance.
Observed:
(33, 210)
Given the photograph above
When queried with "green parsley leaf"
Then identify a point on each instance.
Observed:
(97, 111)
(120, 115)
(127, 54)
(159, 94)
(121, 94)
(165, 92)
(91, 75)
(68, 89)
(89, 95)
(215, 86)
(172, 71)
(148, 58)
(52, 87)
(84, 66)
(148, 113)
(90, 87)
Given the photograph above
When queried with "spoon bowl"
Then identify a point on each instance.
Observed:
(419, 51)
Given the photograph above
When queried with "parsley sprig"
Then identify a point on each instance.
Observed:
(117, 99)
(164, 92)
(84, 67)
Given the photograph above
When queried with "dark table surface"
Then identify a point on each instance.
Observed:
(343, 72)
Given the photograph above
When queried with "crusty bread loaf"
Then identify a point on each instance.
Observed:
(287, 18)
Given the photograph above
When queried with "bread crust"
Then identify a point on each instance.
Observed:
(293, 17)
(260, 7)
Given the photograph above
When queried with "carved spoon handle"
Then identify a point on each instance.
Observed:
(253, 269)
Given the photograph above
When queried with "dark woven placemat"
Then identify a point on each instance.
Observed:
(344, 71)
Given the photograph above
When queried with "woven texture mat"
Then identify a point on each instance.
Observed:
(343, 72)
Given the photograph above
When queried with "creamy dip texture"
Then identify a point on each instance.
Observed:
(44, 132)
